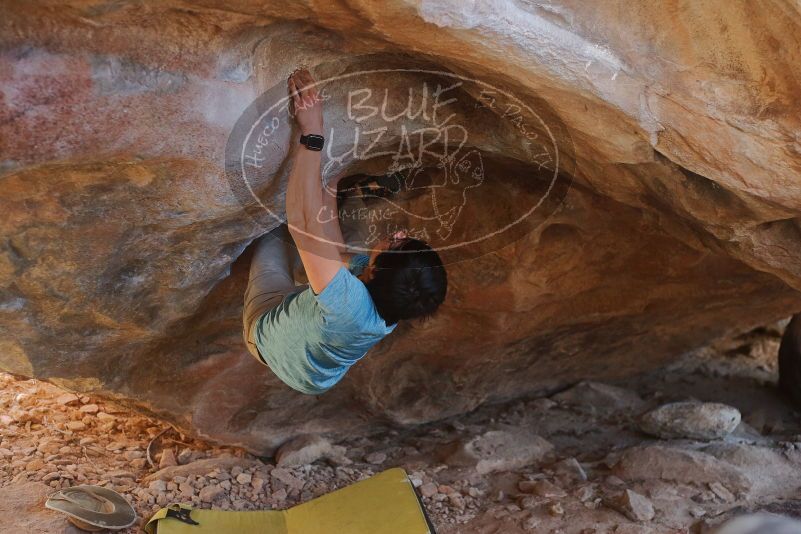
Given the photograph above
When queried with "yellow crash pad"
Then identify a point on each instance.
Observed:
(383, 504)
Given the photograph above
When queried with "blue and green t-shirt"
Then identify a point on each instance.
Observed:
(310, 341)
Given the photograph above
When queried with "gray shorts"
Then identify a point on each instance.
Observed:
(273, 270)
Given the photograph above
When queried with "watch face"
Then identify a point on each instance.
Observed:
(315, 142)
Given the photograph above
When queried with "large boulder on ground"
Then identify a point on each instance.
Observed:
(691, 420)
(611, 184)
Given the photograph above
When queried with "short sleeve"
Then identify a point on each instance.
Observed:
(344, 303)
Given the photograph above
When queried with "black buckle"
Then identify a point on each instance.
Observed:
(182, 515)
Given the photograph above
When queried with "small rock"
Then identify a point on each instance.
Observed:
(528, 502)
(456, 500)
(167, 458)
(159, 486)
(631, 504)
(542, 404)
(697, 511)
(543, 488)
(570, 468)
(633, 528)
(376, 458)
(691, 420)
(89, 408)
(287, 478)
(76, 425)
(556, 509)
(67, 399)
(186, 489)
(49, 446)
(585, 493)
(185, 456)
(118, 473)
(133, 455)
(704, 497)
(499, 450)
(445, 489)
(211, 493)
(34, 465)
(596, 396)
(243, 478)
(722, 492)
(138, 463)
(305, 450)
(531, 523)
(428, 490)
(51, 476)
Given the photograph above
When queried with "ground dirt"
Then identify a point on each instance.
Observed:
(601, 475)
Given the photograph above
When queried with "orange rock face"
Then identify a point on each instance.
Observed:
(611, 186)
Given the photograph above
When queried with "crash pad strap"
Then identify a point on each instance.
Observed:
(383, 504)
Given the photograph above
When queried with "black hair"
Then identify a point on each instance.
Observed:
(408, 282)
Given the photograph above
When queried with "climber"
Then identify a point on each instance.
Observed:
(310, 335)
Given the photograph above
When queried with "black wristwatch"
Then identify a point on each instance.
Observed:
(312, 141)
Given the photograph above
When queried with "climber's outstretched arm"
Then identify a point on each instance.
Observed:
(304, 196)
(330, 212)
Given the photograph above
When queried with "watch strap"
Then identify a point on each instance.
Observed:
(312, 141)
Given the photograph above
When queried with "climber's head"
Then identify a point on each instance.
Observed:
(406, 279)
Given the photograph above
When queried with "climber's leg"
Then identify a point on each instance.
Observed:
(271, 279)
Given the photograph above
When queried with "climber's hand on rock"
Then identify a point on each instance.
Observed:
(307, 102)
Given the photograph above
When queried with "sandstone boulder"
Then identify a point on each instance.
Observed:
(124, 248)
